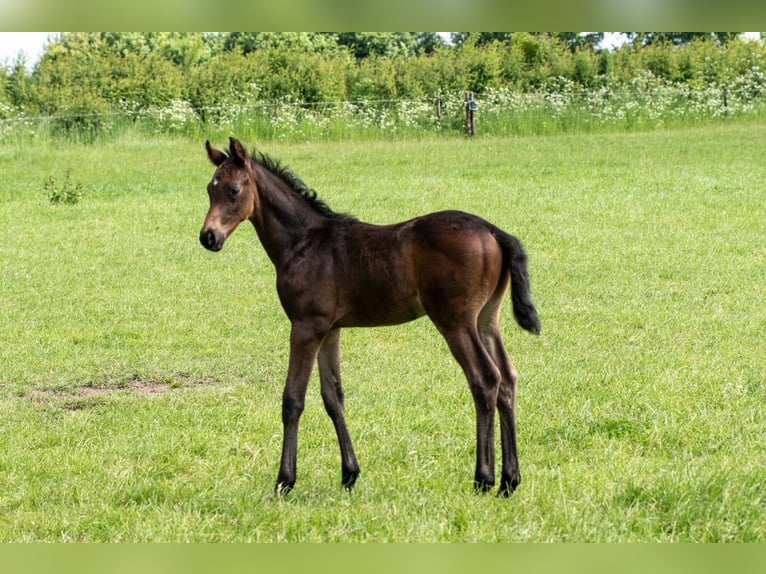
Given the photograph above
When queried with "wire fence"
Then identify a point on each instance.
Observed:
(262, 107)
(284, 117)
(563, 105)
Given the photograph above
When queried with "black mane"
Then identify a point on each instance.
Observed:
(295, 183)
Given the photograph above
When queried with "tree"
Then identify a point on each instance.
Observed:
(580, 40)
(572, 40)
(383, 44)
(182, 48)
(314, 42)
(480, 38)
(17, 83)
(428, 42)
(678, 38)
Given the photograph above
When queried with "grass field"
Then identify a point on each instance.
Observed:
(141, 376)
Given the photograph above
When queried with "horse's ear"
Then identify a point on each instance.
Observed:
(217, 157)
(238, 153)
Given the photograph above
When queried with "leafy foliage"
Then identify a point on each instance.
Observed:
(679, 38)
(85, 81)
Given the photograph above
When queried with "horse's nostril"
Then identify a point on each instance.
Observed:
(207, 238)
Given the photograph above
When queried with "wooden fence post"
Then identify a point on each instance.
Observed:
(471, 106)
(439, 111)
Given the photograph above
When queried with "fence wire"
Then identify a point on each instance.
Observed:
(643, 101)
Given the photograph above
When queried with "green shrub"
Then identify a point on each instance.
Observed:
(95, 86)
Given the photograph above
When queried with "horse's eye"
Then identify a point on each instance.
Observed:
(233, 191)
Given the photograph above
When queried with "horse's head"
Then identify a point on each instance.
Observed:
(233, 194)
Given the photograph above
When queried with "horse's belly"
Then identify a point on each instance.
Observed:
(382, 311)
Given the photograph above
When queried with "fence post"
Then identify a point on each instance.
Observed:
(471, 106)
(726, 101)
(439, 111)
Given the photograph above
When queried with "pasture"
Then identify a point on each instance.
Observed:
(141, 376)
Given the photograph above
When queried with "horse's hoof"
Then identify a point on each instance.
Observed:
(283, 487)
(508, 485)
(349, 480)
(482, 486)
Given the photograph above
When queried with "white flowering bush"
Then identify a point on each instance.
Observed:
(177, 116)
(643, 101)
(6, 111)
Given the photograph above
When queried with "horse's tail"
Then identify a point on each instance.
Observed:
(516, 260)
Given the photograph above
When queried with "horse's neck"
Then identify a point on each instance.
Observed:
(283, 217)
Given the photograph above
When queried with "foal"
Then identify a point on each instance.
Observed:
(334, 271)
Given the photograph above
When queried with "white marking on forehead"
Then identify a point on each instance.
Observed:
(215, 181)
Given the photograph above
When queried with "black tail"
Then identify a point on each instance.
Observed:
(516, 259)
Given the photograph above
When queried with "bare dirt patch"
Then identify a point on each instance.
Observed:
(89, 394)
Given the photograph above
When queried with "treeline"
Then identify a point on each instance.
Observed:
(99, 72)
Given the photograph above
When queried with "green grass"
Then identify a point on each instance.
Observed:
(141, 376)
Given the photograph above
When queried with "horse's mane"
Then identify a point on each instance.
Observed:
(297, 185)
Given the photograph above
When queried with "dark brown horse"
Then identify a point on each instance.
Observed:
(334, 271)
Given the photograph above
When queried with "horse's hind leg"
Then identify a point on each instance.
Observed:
(510, 476)
(484, 380)
(332, 395)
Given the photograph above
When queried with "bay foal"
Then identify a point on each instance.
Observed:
(334, 271)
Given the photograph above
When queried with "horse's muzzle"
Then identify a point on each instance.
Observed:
(211, 239)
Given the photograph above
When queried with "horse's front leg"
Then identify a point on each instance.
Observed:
(332, 395)
(304, 345)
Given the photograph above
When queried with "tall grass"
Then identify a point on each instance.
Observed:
(140, 376)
